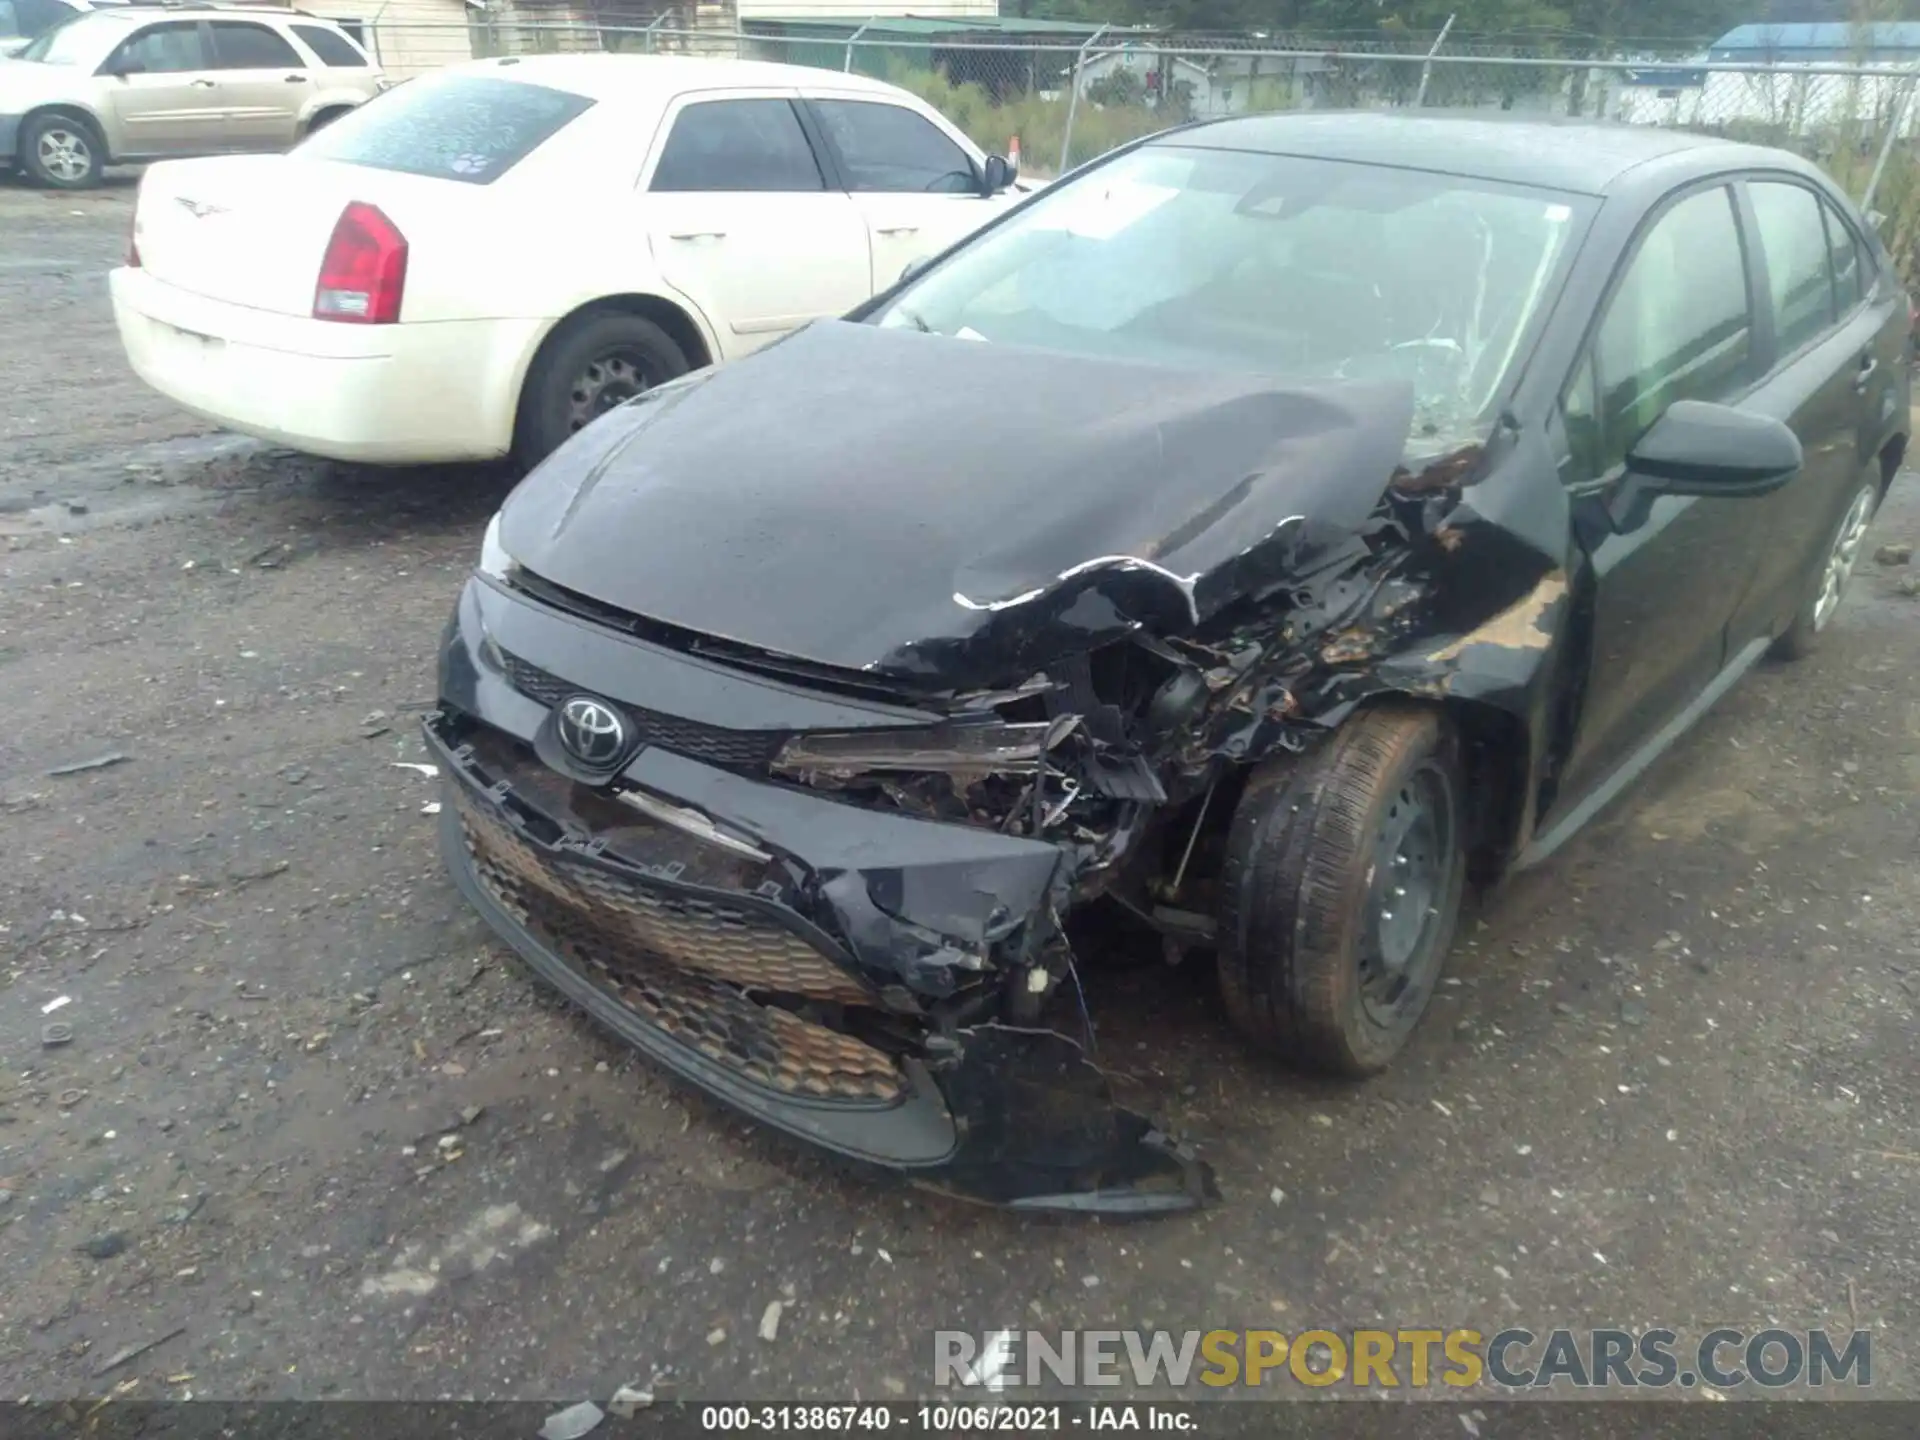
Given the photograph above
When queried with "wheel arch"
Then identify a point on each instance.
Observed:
(1892, 456)
(1496, 749)
(325, 113)
(679, 323)
(75, 112)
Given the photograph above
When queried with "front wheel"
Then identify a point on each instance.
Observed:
(1344, 875)
(61, 152)
(591, 364)
(1834, 570)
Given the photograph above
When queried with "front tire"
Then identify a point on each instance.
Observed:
(592, 363)
(61, 152)
(1343, 880)
(1835, 569)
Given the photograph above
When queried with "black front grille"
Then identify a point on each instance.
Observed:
(697, 969)
(749, 750)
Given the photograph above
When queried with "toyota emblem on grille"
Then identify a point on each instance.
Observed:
(592, 732)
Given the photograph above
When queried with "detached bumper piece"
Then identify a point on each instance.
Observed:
(695, 956)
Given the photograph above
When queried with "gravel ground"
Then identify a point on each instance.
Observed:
(319, 1131)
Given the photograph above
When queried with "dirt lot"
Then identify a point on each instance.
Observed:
(1673, 1080)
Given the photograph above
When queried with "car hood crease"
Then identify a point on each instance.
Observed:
(917, 505)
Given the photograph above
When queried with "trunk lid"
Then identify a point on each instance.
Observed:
(251, 229)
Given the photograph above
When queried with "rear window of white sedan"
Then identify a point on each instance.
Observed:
(472, 128)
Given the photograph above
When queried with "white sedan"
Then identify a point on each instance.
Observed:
(482, 260)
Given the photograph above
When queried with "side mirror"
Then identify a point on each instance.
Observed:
(1000, 173)
(1698, 448)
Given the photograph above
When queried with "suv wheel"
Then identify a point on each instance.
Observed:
(62, 152)
(1344, 875)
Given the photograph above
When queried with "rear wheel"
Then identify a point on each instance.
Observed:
(593, 363)
(62, 152)
(1835, 569)
(1344, 875)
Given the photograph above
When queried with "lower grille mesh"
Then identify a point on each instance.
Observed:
(686, 965)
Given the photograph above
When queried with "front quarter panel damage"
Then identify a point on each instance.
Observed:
(1252, 631)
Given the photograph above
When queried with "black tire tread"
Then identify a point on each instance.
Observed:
(1291, 890)
(30, 133)
(537, 431)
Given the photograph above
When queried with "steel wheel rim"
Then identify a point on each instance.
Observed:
(64, 153)
(604, 382)
(1406, 896)
(1842, 558)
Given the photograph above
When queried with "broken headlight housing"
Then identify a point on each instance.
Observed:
(988, 747)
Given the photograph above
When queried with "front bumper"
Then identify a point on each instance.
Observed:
(802, 984)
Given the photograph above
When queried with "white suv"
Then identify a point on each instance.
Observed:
(131, 83)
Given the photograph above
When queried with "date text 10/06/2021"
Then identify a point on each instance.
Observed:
(945, 1419)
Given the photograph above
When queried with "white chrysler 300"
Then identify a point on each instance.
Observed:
(481, 261)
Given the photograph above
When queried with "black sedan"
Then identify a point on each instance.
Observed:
(1255, 536)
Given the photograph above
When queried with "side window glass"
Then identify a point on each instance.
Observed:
(9, 21)
(737, 145)
(253, 47)
(889, 148)
(1843, 251)
(1678, 327)
(334, 50)
(1793, 237)
(163, 50)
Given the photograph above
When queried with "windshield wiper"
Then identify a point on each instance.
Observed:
(914, 319)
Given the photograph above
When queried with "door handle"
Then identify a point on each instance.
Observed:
(1868, 366)
(900, 230)
(699, 235)
(201, 84)
(296, 79)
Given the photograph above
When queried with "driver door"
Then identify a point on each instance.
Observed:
(915, 186)
(263, 85)
(1669, 574)
(164, 98)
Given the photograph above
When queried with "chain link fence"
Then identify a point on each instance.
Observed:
(1062, 100)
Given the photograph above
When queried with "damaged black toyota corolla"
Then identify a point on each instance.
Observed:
(1260, 532)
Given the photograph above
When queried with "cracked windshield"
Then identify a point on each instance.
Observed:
(1308, 269)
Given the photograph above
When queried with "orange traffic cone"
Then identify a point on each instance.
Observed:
(1013, 153)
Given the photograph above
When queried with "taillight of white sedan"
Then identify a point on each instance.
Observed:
(480, 262)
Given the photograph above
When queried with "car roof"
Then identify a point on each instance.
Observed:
(134, 12)
(1580, 157)
(609, 77)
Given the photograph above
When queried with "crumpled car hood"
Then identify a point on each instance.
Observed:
(921, 506)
